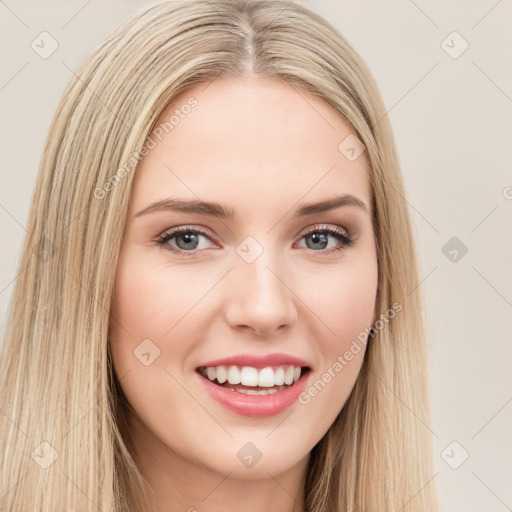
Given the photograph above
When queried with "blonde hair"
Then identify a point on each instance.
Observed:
(57, 384)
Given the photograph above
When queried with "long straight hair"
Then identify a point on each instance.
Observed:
(62, 445)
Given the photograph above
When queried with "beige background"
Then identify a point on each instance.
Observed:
(453, 125)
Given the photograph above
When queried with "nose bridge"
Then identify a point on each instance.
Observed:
(260, 297)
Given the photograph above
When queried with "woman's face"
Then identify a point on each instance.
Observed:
(266, 284)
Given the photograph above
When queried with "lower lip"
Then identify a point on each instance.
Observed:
(255, 405)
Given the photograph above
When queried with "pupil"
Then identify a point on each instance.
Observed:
(189, 238)
(319, 238)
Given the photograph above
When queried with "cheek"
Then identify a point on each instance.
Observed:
(344, 302)
(353, 309)
(136, 313)
(150, 299)
(345, 305)
(156, 302)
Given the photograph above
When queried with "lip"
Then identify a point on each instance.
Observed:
(257, 361)
(255, 406)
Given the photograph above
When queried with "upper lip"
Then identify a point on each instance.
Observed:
(258, 361)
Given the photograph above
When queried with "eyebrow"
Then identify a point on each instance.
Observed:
(223, 212)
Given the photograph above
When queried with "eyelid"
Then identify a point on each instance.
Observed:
(187, 227)
(183, 228)
(206, 231)
(324, 227)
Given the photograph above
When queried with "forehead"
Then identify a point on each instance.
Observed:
(236, 141)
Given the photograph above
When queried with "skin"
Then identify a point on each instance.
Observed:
(263, 149)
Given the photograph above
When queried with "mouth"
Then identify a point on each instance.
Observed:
(250, 380)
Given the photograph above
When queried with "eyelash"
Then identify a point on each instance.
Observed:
(346, 241)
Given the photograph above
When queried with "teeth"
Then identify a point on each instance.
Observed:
(288, 376)
(222, 374)
(279, 377)
(233, 375)
(268, 377)
(248, 376)
(258, 392)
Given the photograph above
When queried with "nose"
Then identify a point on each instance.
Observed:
(260, 298)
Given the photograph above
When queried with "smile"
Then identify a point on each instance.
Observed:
(249, 391)
(249, 376)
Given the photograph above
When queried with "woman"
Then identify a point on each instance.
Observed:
(217, 304)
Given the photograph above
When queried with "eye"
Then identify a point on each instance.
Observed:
(186, 240)
(319, 237)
